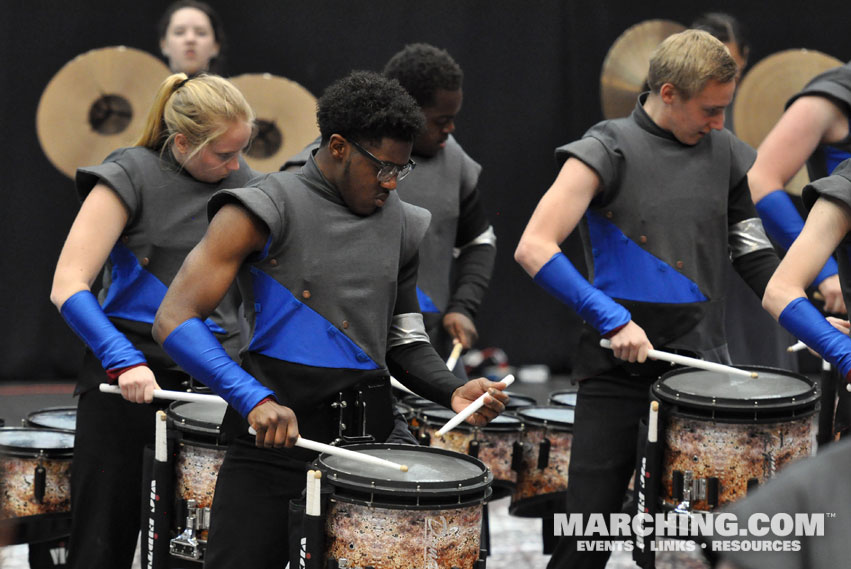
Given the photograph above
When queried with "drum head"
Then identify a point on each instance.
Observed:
(519, 401)
(432, 472)
(198, 418)
(566, 398)
(438, 416)
(417, 402)
(59, 418)
(24, 442)
(552, 417)
(772, 390)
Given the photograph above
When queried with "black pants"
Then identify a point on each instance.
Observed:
(250, 513)
(602, 457)
(106, 475)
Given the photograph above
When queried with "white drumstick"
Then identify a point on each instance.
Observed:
(797, 347)
(453, 357)
(350, 454)
(172, 395)
(653, 423)
(471, 408)
(691, 362)
(304, 443)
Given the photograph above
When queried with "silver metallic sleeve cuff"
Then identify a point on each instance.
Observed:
(406, 329)
(487, 237)
(747, 236)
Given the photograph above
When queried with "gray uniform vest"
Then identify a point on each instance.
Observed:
(834, 84)
(167, 218)
(671, 201)
(337, 271)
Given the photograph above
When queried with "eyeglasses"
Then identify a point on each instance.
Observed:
(386, 170)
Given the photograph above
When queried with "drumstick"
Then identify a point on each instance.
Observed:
(653, 423)
(797, 347)
(453, 357)
(173, 395)
(304, 443)
(398, 385)
(350, 454)
(692, 362)
(471, 408)
(311, 498)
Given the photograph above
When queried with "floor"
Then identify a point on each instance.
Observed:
(516, 542)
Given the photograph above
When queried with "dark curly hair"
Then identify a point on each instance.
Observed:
(217, 64)
(422, 69)
(366, 107)
(725, 27)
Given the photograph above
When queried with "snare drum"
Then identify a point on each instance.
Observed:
(542, 471)
(55, 418)
(563, 398)
(519, 401)
(199, 454)
(723, 434)
(430, 516)
(35, 482)
(494, 444)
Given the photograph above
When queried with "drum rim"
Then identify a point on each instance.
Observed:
(468, 501)
(669, 396)
(184, 424)
(364, 484)
(509, 427)
(550, 400)
(545, 423)
(36, 452)
(63, 408)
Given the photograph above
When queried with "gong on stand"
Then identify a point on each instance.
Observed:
(95, 103)
(285, 118)
(624, 73)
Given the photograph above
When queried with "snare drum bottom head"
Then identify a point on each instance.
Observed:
(363, 536)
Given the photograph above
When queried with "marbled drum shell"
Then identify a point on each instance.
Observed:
(732, 452)
(495, 447)
(196, 472)
(17, 498)
(386, 538)
(532, 481)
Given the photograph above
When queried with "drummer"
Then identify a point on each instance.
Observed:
(143, 209)
(664, 201)
(450, 288)
(328, 266)
(192, 38)
(814, 131)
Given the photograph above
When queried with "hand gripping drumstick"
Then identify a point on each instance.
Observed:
(471, 408)
(691, 362)
(300, 442)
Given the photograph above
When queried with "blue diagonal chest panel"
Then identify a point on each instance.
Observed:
(289, 330)
(134, 293)
(622, 269)
(426, 303)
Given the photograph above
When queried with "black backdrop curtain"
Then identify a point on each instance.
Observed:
(531, 83)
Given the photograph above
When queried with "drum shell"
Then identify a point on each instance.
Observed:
(541, 491)
(398, 525)
(736, 441)
(198, 456)
(31, 519)
(496, 444)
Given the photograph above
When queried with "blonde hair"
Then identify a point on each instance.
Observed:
(201, 108)
(688, 61)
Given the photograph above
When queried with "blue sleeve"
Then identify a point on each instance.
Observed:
(200, 354)
(807, 324)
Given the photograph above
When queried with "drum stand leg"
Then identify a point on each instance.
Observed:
(485, 541)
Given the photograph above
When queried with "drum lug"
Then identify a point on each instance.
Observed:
(473, 449)
(517, 456)
(39, 483)
(544, 454)
(186, 545)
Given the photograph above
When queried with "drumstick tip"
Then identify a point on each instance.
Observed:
(754, 375)
(317, 474)
(404, 468)
(654, 406)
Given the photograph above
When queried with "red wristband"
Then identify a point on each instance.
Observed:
(113, 373)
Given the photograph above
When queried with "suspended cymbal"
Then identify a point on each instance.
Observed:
(627, 62)
(762, 94)
(96, 103)
(286, 119)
